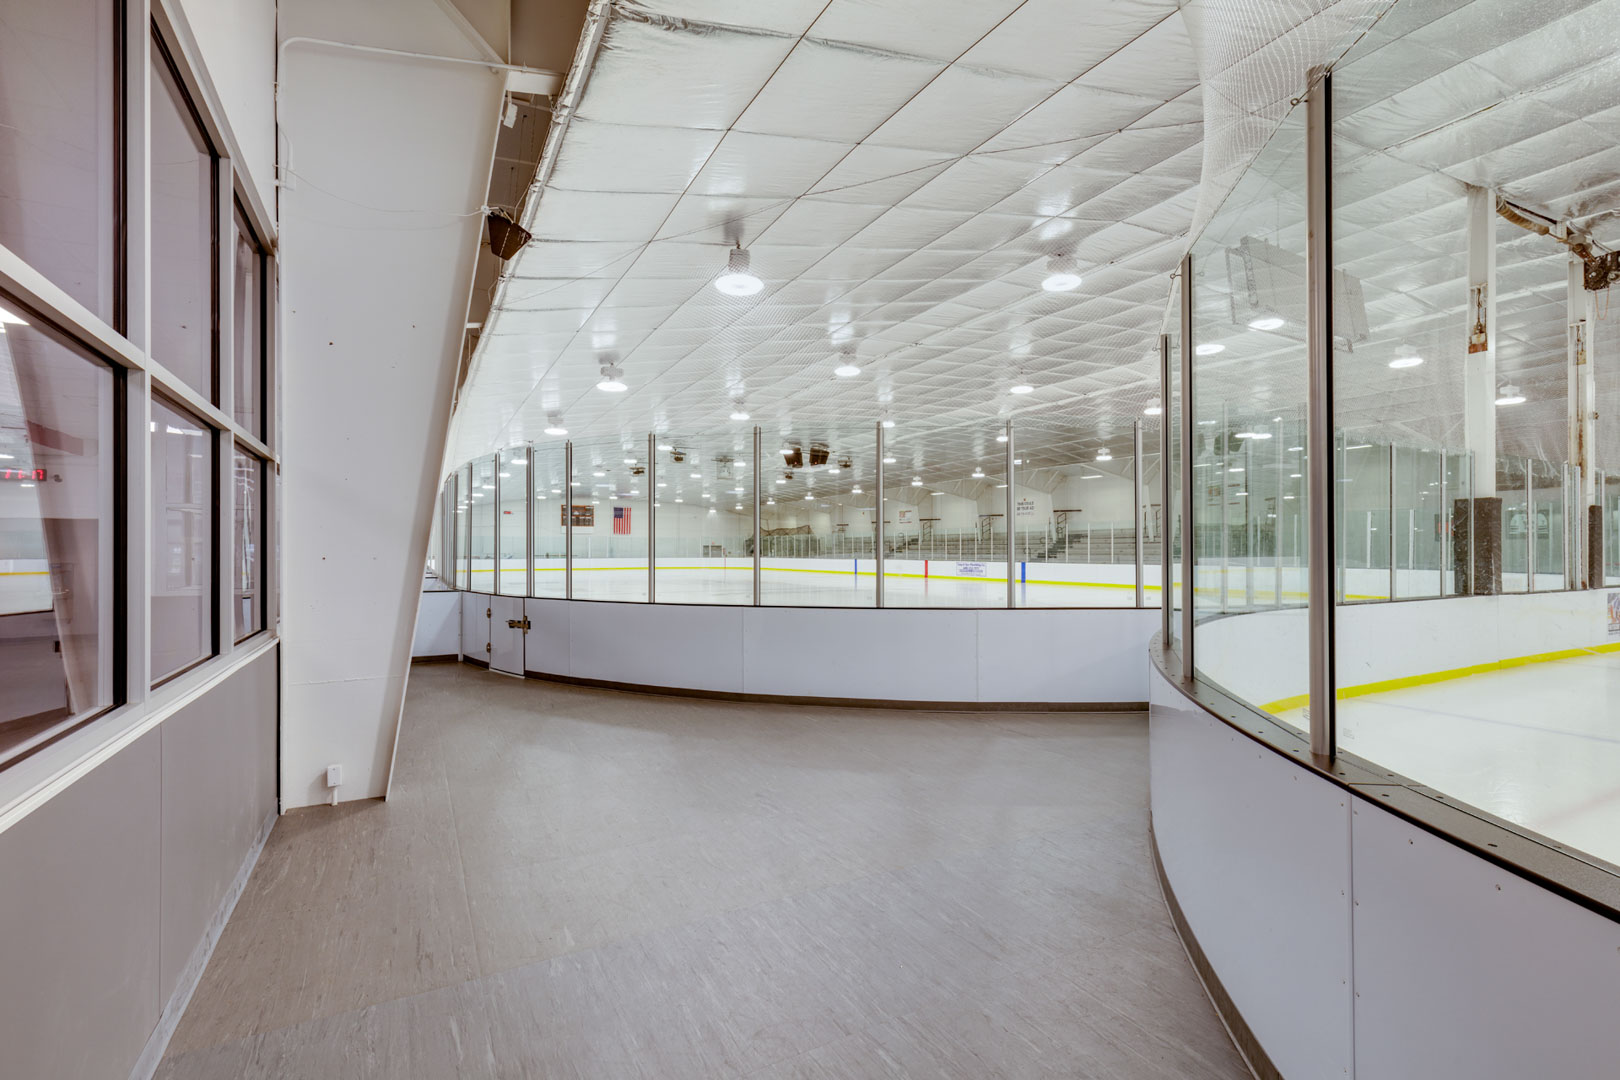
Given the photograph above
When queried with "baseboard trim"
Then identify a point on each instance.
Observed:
(152, 1054)
(843, 702)
(1248, 1047)
(442, 658)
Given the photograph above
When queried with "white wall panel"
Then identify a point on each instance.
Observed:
(897, 655)
(505, 640)
(475, 618)
(1257, 850)
(693, 647)
(1463, 969)
(378, 239)
(1064, 655)
(551, 623)
(438, 625)
(237, 39)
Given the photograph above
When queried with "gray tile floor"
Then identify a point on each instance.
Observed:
(581, 883)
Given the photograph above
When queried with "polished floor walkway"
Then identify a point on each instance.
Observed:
(573, 883)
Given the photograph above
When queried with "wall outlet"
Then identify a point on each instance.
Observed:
(334, 775)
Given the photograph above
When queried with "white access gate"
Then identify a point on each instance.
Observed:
(508, 631)
(475, 627)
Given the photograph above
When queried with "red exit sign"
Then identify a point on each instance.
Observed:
(37, 475)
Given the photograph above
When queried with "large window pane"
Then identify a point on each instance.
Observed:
(1073, 512)
(610, 520)
(816, 524)
(248, 541)
(481, 527)
(247, 315)
(183, 229)
(550, 515)
(512, 481)
(1249, 387)
(58, 104)
(182, 540)
(705, 546)
(56, 535)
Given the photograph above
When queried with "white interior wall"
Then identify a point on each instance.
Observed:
(237, 39)
(389, 162)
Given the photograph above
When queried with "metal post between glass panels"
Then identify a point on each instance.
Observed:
(1166, 576)
(1390, 524)
(758, 533)
(1012, 504)
(495, 529)
(1136, 500)
(877, 515)
(568, 520)
(1186, 470)
(1446, 519)
(1319, 423)
(529, 473)
(1529, 526)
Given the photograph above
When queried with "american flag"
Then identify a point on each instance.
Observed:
(621, 521)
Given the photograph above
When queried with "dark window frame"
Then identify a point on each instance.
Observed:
(262, 537)
(212, 589)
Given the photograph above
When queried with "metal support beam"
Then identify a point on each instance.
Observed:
(1012, 529)
(1166, 491)
(878, 517)
(1319, 415)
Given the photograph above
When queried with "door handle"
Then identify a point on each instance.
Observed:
(519, 624)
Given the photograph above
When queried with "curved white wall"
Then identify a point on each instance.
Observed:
(1055, 656)
(1356, 944)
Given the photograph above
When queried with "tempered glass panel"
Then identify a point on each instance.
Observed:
(182, 480)
(817, 529)
(248, 543)
(1074, 515)
(247, 315)
(610, 519)
(56, 535)
(706, 544)
(550, 516)
(58, 102)
(945, 520)
(512, 481)
(182, 240)
(481, 525)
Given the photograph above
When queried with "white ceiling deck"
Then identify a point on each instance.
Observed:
(900, 173)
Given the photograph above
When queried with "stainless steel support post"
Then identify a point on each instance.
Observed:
(1447, 519)
(495, 530)
(1251, 525)
(1277, 529)
(1319, 421)
(1188, 585)
(1012, 503)
(759, 471)
(1136, 502)
(568, 520)
(1166, 576)
(528, 553)
(1529, 526)
(877, 515)
(1226, 498)
(652, 519)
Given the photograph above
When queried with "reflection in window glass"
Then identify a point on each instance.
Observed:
(182, 540)
(182, 234)
(248, 533)
(610, 520)
(550, 540)
(56, 520)
(512, 482)
(247, 315)
(817, 527)
(705, 545)
(481, 532)
(58, 101)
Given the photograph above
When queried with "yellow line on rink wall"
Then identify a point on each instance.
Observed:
(1299, 701)
(847, 573)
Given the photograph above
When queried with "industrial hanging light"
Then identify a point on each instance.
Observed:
(612, 379)
(1061, 275)
(735, 280)
(1509, 395)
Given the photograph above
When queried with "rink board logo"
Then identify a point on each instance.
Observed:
(1614, 613)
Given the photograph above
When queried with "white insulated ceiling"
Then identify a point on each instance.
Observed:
(900, 172)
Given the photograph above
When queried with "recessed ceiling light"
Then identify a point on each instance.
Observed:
(1021, 388)
(735, 280)
(846, 371)
(1060, 276)
(1266, 322)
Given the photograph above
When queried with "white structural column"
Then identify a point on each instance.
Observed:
(1582, 430)
(1479, 380)
(1319, 440)
(369, 358)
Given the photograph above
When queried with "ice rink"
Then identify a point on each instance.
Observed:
(679, 584)
(1538, 744)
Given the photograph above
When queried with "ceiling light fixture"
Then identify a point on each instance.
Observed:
(846, 371)
(1061, 275)
(664, 448)
(612, 379)
(1153, 409)
(735, 280)
(1209, 348)
(888, 423)
(1104, 455)
(1020, 388)
(888, 461)
(739, 413)
(1001, 438)
(1509, 395)
(1266, 322)
(856, 490)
